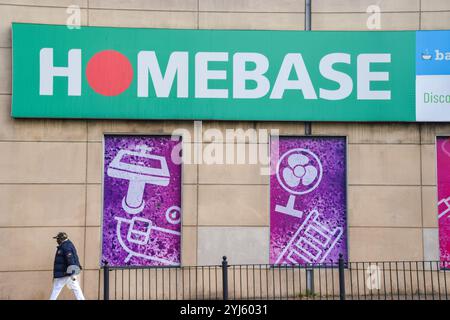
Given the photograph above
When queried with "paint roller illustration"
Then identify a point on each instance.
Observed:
(140, 168)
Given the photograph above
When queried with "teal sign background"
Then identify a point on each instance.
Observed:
(29, 39)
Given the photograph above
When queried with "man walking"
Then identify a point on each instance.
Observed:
(66, 268)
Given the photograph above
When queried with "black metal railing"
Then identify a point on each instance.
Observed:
(395, 280)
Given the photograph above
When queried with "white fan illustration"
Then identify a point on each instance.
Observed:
(299, 171)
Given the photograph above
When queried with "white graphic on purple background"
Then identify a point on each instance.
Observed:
(141, 238)
(444, 203)
(444, 208)
(299, 171)
(443, 193)
(139, 174)
(312, 242)
(308, 200)
(173, 215)
(142, 198)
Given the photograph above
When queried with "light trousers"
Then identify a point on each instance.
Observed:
(71, 282)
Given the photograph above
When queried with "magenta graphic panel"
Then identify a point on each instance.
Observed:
(308, 205)
(141, 201)
(443, 187)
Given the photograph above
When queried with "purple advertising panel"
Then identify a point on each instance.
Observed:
(443, 189)
(141, 201)
(308, 204)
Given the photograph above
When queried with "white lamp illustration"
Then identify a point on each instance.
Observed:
(140, 168)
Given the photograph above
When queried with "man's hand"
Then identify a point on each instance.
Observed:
(73, 270)
(73, 275)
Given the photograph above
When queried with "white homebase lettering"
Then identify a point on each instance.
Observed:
(365, 76)
(203, 74)
(303, 82)
(47, 71)
(241, 75)
(177, 66)
(343, 79)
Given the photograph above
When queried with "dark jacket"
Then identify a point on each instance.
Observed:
(66, 255)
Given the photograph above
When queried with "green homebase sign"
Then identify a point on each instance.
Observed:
(136, 73)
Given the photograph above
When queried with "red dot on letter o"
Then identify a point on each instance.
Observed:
(109, 73)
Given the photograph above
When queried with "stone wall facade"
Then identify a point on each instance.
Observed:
(50, 170)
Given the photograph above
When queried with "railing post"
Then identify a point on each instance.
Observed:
(105, 280)
(341, 278)
(225, 277)
(309, 279)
